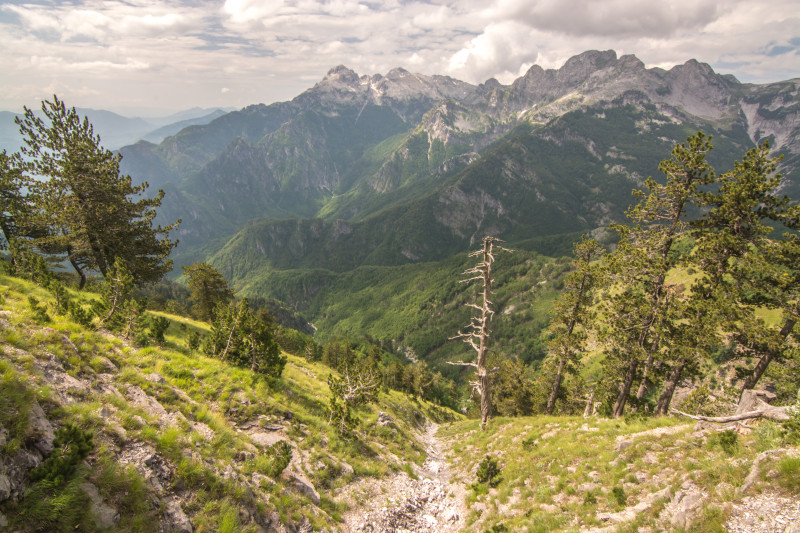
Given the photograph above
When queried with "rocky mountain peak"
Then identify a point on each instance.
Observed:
(341, 74)
(579, 67)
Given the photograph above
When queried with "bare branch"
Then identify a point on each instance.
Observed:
(462, 363)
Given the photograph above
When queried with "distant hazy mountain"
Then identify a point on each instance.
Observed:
(116, 130)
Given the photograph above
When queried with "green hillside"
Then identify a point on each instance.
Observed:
(172, 425)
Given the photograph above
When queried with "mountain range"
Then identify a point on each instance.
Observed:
(401, 169)
(116, 130)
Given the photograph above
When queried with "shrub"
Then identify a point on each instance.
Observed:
(40, 315)
(789, 469)
(488, 471)
(280, 455)
(619, 496)
(71, 446)
(728, 441)
(157, 328)
(193, 340)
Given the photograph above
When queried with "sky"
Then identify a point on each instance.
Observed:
(145, 57)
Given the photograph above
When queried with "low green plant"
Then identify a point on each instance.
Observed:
(792, 426)
(192, 340)
(71, 446)
(619, 496)
(157, 327)
(728, 440)
(40, 315)
(789, 470)
(488, 472)
(280, 455)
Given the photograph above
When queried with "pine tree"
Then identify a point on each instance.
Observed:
(744, 266)
(208, 289)
(84, 209)
(642, 314)
(571, 313)
(241, 337)
(12, 201)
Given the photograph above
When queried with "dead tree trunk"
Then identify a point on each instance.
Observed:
(589, 405)
(477, 332)
(551, 401)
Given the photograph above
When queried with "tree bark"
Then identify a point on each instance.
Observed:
(662, 407)
(619, 405)
(643, 385)
(776, 413)
(589, 405)
(486, 312)
(78, 269)
(767, 357)
(551, 401)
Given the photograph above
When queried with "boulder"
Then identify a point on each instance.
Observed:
(5, 488)
(105, 516)
(304, 486)
(41, 429)
(176, 519)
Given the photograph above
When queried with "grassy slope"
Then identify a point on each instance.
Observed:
(563, 473)
(198, 392)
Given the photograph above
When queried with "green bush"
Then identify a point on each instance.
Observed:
(728, 440)
(157, 328)
(193, 340)
(71, 446)
(488, 471)
(789, 470)
(280, 455)
(619, 496)
(40, 315)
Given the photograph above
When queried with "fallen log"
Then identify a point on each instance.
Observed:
(751, 405)
(776, 413)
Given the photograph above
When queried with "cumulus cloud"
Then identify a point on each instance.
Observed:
(199, 52)
(498, 52)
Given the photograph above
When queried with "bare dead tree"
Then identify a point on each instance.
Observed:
(476, 334)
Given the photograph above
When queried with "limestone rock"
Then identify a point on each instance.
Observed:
(623, 445)
(304, 486)
(41, 429)
(5, 488)
(105, 516)
(176, 519)
(684, 507)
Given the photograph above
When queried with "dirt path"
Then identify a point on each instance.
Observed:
(400, 503)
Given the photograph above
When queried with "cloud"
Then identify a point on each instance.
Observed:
(620, 18)
(182, 53)
(498, 52)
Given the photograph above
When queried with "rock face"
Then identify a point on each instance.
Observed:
(14, 467)
(315, 156)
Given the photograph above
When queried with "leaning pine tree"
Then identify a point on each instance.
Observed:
(571, 314)
(643, 312)
(83, 210)
(477, 332)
